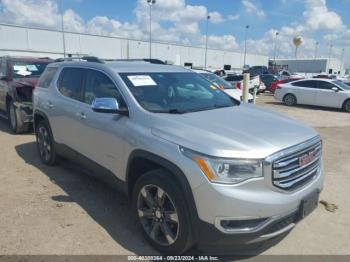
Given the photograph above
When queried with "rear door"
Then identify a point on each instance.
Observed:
(63, 107)
(326, 96)
(306, 92)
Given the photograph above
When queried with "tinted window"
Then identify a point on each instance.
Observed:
(46, 78)
(234, 78)
(70, 83)
(175, 92)
(307, 83)
(325, 85)
(98, 85)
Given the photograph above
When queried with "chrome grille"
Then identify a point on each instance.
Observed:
(298, 168)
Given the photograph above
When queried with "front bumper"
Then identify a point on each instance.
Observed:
(24, 111)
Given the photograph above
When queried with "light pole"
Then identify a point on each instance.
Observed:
(151, 3)
(329, 56)
(342, 59)
(316, 48)
(274, 52)
(245, 44)
(206, 42)
(63, 33)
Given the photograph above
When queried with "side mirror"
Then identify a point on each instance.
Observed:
(109, 106)
(335, 89)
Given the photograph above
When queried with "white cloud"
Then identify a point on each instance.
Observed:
(216, 17)
(183, 21)
(318, 16)
(233, 17)
(251, 8)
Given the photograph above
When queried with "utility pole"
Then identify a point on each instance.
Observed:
(245, 44)
(342, 59)
(275, 48)
(329, 57)
(316, 48)
(206, 43)
(151, 3)
(63, 33)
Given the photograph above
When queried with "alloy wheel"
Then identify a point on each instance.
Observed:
(44, 143)
(289, 100)
(347, 106)
(158, 215)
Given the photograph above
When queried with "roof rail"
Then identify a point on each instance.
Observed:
(93, 59)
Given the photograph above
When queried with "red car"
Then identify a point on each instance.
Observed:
(275, 84)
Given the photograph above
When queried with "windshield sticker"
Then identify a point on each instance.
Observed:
(142, 80)
(19, 68)
(23, 73)
(32, 68)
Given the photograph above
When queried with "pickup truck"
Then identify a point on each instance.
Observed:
(18, 77)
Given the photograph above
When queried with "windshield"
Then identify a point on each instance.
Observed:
(217, 80)
(342, 84)
(175, 92)
(28, 69)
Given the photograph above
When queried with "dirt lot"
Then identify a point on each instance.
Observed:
(60, 210)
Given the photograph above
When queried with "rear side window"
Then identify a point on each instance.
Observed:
(307, 83)
(70, 83)
(46, 78)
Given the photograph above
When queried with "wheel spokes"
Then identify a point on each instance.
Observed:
(145, 213)
(148, 198)
(171, 216)
(168, 234)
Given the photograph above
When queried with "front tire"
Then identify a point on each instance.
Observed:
(45, 143)
(290, 100)
(161, 211)
(347, 106)
(16, 124)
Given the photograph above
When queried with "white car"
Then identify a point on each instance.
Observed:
(228, 88)
(318, 92)
(254, 82)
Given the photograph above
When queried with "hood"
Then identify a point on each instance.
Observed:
(244, 131)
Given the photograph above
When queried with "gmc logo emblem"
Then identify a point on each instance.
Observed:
(307, 158)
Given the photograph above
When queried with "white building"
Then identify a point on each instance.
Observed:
(26, 41)
(319, 65)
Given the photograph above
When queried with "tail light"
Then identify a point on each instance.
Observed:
(238, 85)
(279, 87)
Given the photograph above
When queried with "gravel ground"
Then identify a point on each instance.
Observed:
(60, 210)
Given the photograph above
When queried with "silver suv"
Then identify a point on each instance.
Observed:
(199, 167)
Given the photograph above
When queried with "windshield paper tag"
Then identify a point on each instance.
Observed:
(32, 68)
(142, 80)
(19, 68)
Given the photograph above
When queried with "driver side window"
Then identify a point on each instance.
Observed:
(99, 85)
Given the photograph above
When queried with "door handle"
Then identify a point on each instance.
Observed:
(81, 116)
(49, 105)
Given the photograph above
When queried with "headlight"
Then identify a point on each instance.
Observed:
(225, 171)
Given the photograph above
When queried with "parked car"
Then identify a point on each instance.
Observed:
(18, 77)
(267, 79)
(275, 84)
(228, 88)
(256, 70)
(318, 92)
(254, 83)
(199, 167)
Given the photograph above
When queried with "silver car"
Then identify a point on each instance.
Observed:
(199, 167)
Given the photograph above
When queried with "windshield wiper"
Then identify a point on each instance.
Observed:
(169, 111)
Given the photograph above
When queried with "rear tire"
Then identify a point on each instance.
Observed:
(45, 143)
(160, 209)
(346, 106)
(16, 124)
(290, 100)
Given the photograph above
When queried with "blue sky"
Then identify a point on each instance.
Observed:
(323, 21)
